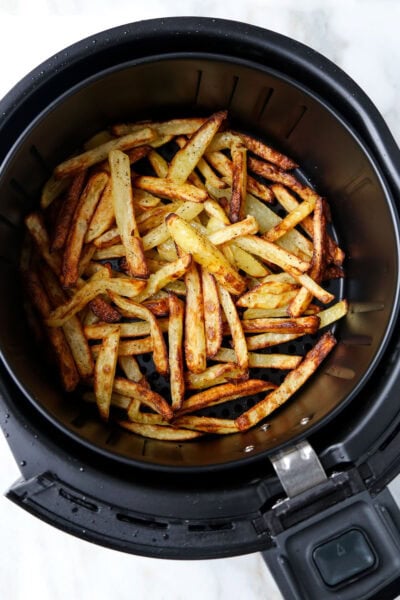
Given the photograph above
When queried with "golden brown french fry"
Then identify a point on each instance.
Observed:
(266, 340)
(146, 396)
(104, 372)
(235, 326)
(116, 400)
(267, 153)
(211, 178)
(136, 310)
(66, 364)
(80, 223)
(207, 424)
(262, 313)
(186, 159)
(109, 238)
(52, 189)
(247, 262)
(205, 253)
(262, 361)
(272, 253)
(245, 227)
(291, 220)
(145, 201)
(160, 234)
(66, 212)
(125, 214)
(164, 276)
(212, 313)
(91, 157)
(131, 347)
(131, 370)
(36, 227)
(292, 382)
(215, 375)
(239, 183)
(166, 188)
(160, 432)
(158, 306)
(333, 313)
(101, 137)
(159, 164)
(171, 127)
(97, 331)
(224, 393)
(305, 325)
(175, 338)
(195, 341)
(72, 329)
(114, 251)
(103, 217)
(267, 300)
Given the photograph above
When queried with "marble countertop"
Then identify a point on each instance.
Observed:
(361, 36)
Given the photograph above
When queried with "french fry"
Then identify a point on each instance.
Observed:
(205, 253)
(267, 300)
(266, 340)
(267, 153)
(131, 347)
(272, 253)
(291, 220)
(236, 329)
(215, 375)
(104, 372)
(212, 313)
(239, 183)
(80, 223)
(131, 370)
(166, 188)
(158, 163)
(186, 159)
(136, 391)
(292, 382)
(125, 214)
(171, 127)
(245, 227)
(116, 400)
(195, 340)
(159, 432)
(261, 361)
(333, 313)
(109, 252)
(97, 331)
(224, 393)
(164, 276)
(109, 238)
(91, 157)
(66, 212)
(160, 234)
(261, 313)
(207, 424)
(304, 325)
(175, 337)
(103, 216)
(52, 189)
(247, 262)
(36, 227)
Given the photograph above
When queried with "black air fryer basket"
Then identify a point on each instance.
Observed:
(307, 488)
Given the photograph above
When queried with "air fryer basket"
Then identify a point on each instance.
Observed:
(274, 108)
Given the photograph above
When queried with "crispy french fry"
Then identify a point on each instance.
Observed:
(260, 295)
(262, 313)
(129, 347)
(131, 370)
(160, 234)
(52, 189)
(103, 216)
(125, 214)
(292, 382)
(272, 253)
(247, 262)
(158, 163)
(66, 212)
(266, 340)
(36, 227)
(261, 361)
(304, 325)
(291, 220)
(159, 432)
(224, 393)
(109, 238)
(175, 337)
(97, 331)
(195, 340)
(215, 375)
(171, 127)
(104, 372)
(164, 276)
(205, 253)
(267, 153)
(89, 158)
(245, 227)
(207, 424)
(212, 313)
(166, 188)
(146, 396)
(235, 326)
(333, 313)
(239, 183)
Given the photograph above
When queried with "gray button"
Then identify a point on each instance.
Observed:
(344, 557)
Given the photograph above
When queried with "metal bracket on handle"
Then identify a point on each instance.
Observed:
(298, 468)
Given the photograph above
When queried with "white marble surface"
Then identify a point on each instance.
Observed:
(362, 37)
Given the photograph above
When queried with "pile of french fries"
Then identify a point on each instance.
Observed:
(163, 238)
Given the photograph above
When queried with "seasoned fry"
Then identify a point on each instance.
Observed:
(166, 188)
(245, 227)
(125, 214)
(103, 217)
(35, 225)
(52, 189)
(235, 326)
(136, 391)
(261, 361)
(97, 331)
(159, 432)
(266, 340)
(188, 211)
(131, 370)
(212, 313)
(292, 382)
(215, 375)
(105, 372)
(271, 253)
(66, 212)
(207, 424)
(291, 220)
(165, 275)
(171, 127)
(175, 337)
(195, 340)
(158, 163)
(89, 158)
(304, 325)
(239, 183)
(267, 153)
(333, 313)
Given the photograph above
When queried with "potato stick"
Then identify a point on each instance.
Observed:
(103, 217)
(212, 313)
(158, 306)
(130, 347)
(175, 338)
(35, 225)
(115, 251)
(239, 183)
(131, 370)
(97, 139)
(261, 313)
(72, 329)
(167, 250)
(272, 253)
(107, 239)
(145, 201)
(153, 218)
(88, 292)
(97, 331)
(291, 220)
(104, 372)
(186, 159)
(165, 275)
(266, 340)
(207, 424)
(125, 214)
(311, 285)
(292, 382)
(247, 262)
(225, 393)
(66, 364)
(215, 375)
(195, 340)
(80, 223)
(333, 313)
(176, 287)
(235, 326)
(188, 211)
(102, 309)
(267, 153)
(186, 192)
(117, 400)
(224, 141)
(135, 310)
(261, 361)
(213, 209)
(260, 295)
(245, 227)
(159, 432)
(211, 178)
(171, 127)
(159, 164)
(146, 396)
(303, 325)
(205, 253)
(95, 155)
(66, 212)
(52, 189)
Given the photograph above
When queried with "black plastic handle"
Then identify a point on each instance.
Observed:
(350, 550)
